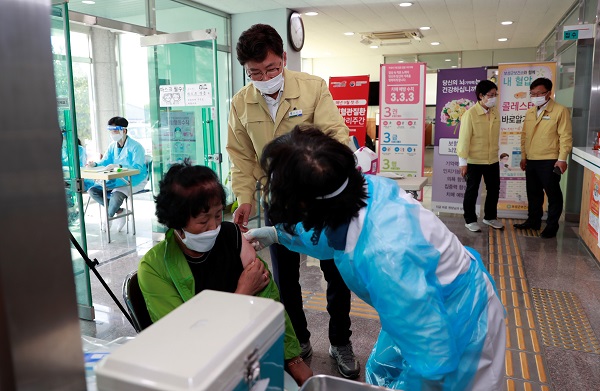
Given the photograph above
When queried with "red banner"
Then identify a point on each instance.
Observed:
(351, 95)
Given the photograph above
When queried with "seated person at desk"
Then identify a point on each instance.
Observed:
(123, 152)
(200, 251)
(87, 183)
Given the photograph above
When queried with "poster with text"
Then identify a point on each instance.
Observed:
(177, 137)
(351, 96)
(513, 102)
(593, 212)
(455, 95)
(402, 119)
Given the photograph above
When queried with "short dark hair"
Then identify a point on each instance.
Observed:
(541, 81)
(302, 166)
(255, 44)
(118, 121)
(483, 87)
(185, 192)
(503, 155)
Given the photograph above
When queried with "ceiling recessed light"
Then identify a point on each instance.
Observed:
(311, 13)
(407, 4)
(447, 60)
(373, 46)
(435, 43)
(425, 28)
(349, 33)
(88, 2)
(454, 66)
(507, 22)
(502, 39)
(401, 61)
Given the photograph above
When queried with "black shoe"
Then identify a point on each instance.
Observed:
(528, 225)
(346, 360)
(306, 351)
(548, 233)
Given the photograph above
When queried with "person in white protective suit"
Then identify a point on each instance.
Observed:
(442, 323)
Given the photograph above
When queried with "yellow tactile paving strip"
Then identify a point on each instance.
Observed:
(563, 323)
(525, 366)
(523, 232)
(318, 301)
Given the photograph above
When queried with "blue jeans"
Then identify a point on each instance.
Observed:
(115, 198)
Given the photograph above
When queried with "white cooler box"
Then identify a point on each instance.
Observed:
(215, 341)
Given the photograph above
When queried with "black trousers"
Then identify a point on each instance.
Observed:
(491, 177)
(539, 178)
(286, 273)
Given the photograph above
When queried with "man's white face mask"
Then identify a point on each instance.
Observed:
(270, 86)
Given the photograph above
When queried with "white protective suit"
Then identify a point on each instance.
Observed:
(442, 323)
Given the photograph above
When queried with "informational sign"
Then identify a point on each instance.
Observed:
(177, 137)
(199, 94)
(62, 102)
(593, 212)
(455, 95)
(578, 31)
(513, 88)
(351, 95)
(172, 95)
(177, 95)
(402, 118)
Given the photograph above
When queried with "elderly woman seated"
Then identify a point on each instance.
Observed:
(202, 252)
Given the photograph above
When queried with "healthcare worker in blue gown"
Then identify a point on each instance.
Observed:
(442, 324)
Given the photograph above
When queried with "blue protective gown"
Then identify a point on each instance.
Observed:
(133, 156)
(442, 324)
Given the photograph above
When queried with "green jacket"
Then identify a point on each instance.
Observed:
(167, 282)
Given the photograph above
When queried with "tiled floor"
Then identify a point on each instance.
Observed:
(524, 268)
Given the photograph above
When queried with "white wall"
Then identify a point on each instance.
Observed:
(482, 58)
(346, 66)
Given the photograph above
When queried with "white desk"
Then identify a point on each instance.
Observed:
(408, 184)
(125, 174)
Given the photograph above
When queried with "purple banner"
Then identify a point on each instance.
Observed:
(455, 95)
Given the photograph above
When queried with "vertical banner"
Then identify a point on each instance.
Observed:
(455, 95)
(351, 95)
(402, 118)
(593, 212)
(513, 89)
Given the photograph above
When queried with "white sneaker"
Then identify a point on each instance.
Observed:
(120, 223)
(494, 223)
(473, 227)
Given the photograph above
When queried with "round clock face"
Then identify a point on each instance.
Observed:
(296, 30)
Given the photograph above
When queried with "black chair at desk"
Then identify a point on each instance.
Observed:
(134, 300)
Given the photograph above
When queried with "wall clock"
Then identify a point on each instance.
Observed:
(296, 31)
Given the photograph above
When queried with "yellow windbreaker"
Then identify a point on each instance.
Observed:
(479, 135)
(250, 126)
(549, 136)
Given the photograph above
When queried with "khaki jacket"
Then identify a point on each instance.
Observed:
(250, 126)
(479, 135)
(549, 136)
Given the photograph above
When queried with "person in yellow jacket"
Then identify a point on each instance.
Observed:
(478, 155)
(546, 142)
(272, 105)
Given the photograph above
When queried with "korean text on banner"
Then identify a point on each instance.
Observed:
(402, 118)
(455, 95)
(513, 88)
(351, 95)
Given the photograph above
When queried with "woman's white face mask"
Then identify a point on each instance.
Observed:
(201, 242)
(270, 86)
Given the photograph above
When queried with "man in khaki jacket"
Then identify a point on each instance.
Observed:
(277, 100)
(546, 142)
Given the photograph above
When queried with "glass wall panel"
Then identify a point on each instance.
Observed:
(128, 11)
(172, 17)
(590, 11)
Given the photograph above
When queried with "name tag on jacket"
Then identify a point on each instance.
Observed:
(546, 117)
(295, 113)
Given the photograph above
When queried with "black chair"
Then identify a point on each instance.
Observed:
(134, 300)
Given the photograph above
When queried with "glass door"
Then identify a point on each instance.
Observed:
(183, 101)
(72, 153)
